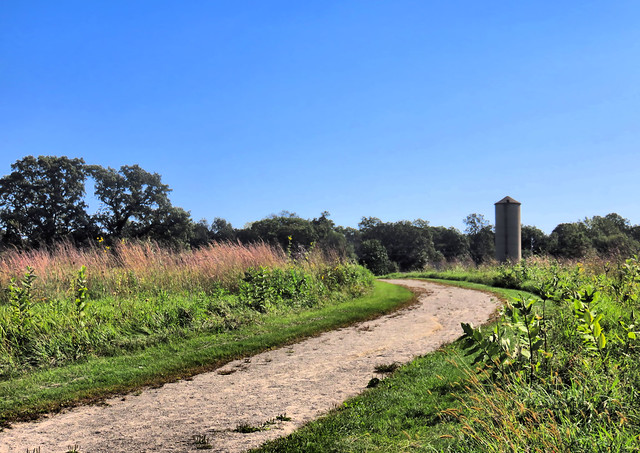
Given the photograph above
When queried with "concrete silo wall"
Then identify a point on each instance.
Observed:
(508, 230)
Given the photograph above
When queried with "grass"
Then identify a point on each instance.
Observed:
(415, 408)
(46, 390)
(132, 267)
(139, 295)
(559, 373)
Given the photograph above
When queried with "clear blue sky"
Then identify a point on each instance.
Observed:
(394, 109)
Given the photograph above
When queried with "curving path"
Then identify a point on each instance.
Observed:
(302, 381)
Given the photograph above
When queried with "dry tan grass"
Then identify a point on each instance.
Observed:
(138, 266)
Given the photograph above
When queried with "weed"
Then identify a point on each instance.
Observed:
(80, 288)
(386, 368)
(246, 428)
(373, 382)
(201, 442)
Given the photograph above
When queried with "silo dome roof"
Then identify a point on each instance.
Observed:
(508, 200)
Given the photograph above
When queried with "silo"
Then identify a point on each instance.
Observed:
(508, 230)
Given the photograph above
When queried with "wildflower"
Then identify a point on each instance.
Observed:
(100, 239)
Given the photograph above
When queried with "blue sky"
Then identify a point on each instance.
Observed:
(394, 109)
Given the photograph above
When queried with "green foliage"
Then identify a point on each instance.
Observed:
(135, 204)
(572, 368)
(481, 238)
(41, 201)
(408, 244)
(20, 305)
(265, 289)
(374, 256)
(534, 241)
(517, 342)
(80, 289)
(451, 243)
(588, 325)
(569, 240)
(58, 331)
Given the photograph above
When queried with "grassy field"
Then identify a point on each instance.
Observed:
(559, 372)
(416, 407)
(80, 335)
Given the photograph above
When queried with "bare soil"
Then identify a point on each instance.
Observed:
(302, 381)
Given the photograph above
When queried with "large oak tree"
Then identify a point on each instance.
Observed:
(42, 201)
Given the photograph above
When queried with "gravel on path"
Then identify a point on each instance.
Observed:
(301, 382)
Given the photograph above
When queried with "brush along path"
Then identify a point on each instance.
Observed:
(301, 381)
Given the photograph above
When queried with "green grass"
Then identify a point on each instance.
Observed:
(56, 331)
(42, 391)
(403, 413)
(411, 410)
(572, 396)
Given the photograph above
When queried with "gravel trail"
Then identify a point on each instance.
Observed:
(303, 381)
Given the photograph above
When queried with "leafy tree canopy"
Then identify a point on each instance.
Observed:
(42, 201)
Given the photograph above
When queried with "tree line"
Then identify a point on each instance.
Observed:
(43, 202)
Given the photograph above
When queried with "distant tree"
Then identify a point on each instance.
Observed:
(481, 238)
(42, 201)
(611, 235)
(534, 241)
(475, 223)
(200, 234)
(328, 237)
(451, 243)
(570, 240)
(222, 231)
(170, 226)
(133, 201)
(353, 239)
(373, 255)
(408, 245)
(277, 229)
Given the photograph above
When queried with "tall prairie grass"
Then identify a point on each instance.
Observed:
(138, 266)
(63, 304)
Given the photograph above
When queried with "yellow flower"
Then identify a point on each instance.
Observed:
(100, 239)
(290, 238)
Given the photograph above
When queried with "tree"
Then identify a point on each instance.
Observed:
(611, 235)
(569, 240)
(534, 241)
(481, 238)
(353, 239)
(133, 201)
(408, 245)
(222, 231)
(328, 237)
(171, 226)
(200, 234)
(42, 201)
(374, 256)
(451, 243)
(277, 229)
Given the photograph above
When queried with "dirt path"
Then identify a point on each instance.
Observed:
(302, 381)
